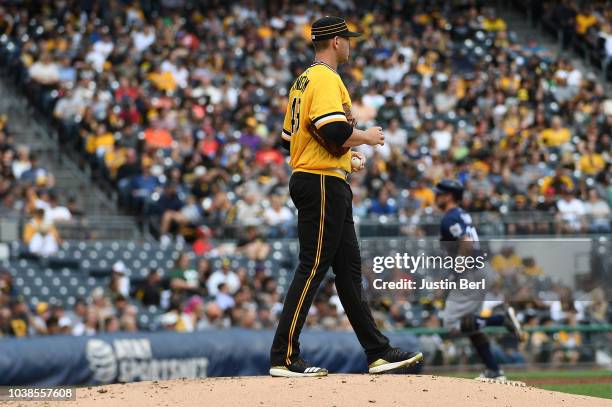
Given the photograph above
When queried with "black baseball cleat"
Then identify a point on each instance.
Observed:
(393, 359)
(299, 368)
(512, 324)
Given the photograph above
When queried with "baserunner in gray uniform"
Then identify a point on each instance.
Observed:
(463, 306)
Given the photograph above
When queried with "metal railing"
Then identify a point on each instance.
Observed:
(98, 227)
(592, 328)
(425, 225)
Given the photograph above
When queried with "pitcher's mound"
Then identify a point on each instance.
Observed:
(334, 390)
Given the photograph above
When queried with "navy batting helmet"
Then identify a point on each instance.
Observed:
(450, 186)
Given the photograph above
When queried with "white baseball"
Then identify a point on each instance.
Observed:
(355, 162)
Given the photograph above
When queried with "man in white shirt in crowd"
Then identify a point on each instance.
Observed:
(45, 71)
(598, 212)
(278, 217)
(143, 39)
(396, 136)
(248, 210)
(571, 213)
(56, 213)
(442, 136)
(225, 276)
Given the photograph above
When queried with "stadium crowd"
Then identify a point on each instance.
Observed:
(584, 26)
(27, 188)
(182, 111)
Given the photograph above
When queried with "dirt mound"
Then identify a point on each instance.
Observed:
(335, 390)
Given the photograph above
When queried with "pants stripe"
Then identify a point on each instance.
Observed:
(312, 272)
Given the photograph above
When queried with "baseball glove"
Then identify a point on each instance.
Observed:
(333, 148)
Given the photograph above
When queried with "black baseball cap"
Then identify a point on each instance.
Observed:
(449, 186)
(328, 27)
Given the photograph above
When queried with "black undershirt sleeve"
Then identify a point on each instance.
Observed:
(336, 132)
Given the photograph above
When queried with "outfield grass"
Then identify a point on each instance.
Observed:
(588, 389)
(603, 390)
(544, 374)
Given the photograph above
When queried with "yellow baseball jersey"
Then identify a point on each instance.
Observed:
(317, 97)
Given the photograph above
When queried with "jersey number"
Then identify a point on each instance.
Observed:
(295, 115)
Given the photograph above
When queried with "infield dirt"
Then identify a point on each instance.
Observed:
(334, 390)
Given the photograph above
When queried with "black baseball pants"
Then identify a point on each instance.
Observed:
(326, 233)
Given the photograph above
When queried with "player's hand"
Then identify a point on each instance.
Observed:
(375, 136)
(361, 157)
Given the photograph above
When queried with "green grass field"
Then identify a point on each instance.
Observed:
(595, 383)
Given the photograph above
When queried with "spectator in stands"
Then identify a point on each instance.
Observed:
(120, 282)
(539, 343)
(571, 213)
(568, 343)
(7, 288)
(202, 243)
(55, 213)
(149, 293)
(396, 136)
(556, 135)
(585, 19)
(91, 322)
(37, 175)
(5, 322)
(45, 71)
(597, 212)
(41, 237)
(39, 320)
(278, 218)
(53, 327)
(22, 163)
(591, 162)
(178, 215)
(223, 298)
(557, 183)
(141, 187)
(183, 278)
(549, 207)
(253, 244)
(223, 276)
(213, 318)
(20, 318)
(442, 137)
(111, 324)
(599, 306)
(129, 168)
(531, 268)
(384, 205)
(248, 210)
(64, 326)
(73, 208)
(506, 262)
(491, 22)
(128, 323)
(177, 320)
(606, 35)
(77, 317)
(101, 306)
